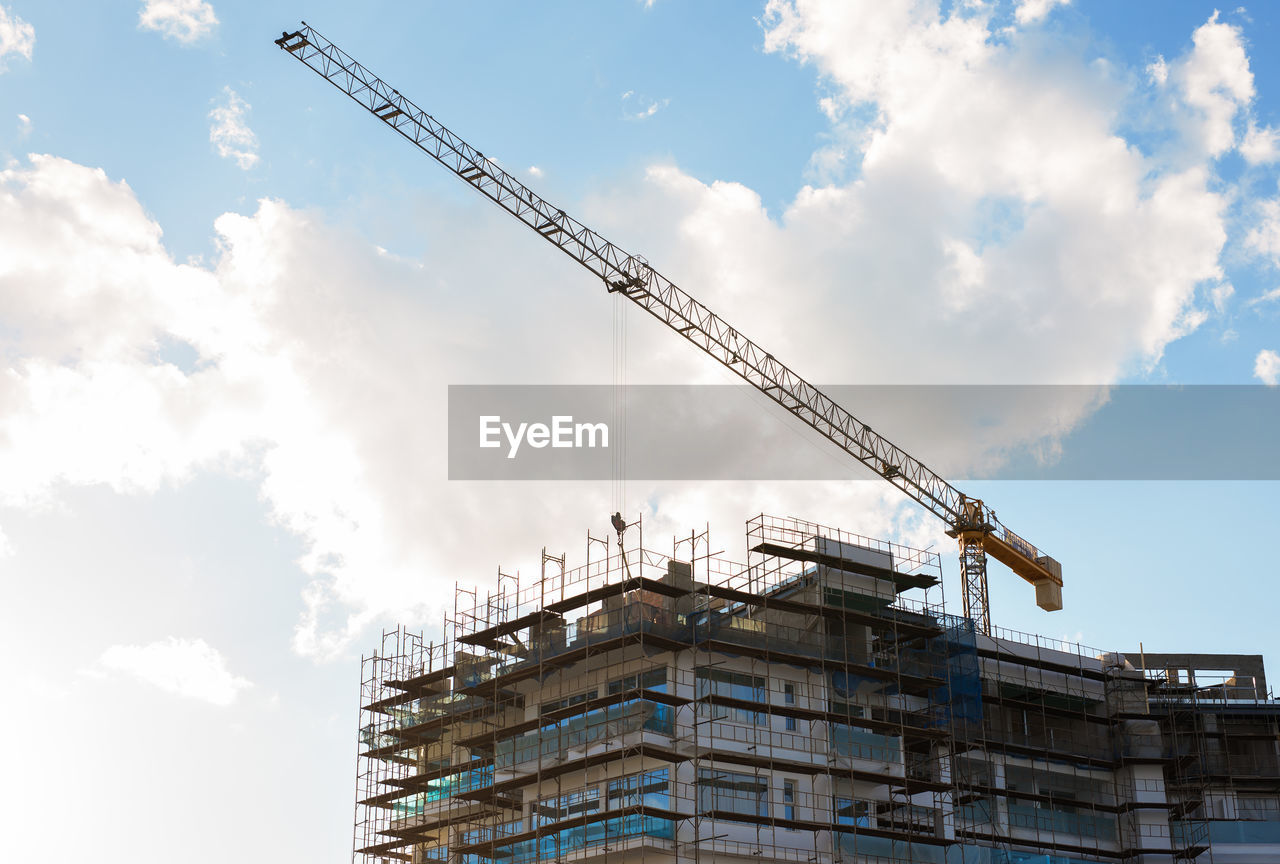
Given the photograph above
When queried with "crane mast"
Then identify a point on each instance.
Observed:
(969, 520)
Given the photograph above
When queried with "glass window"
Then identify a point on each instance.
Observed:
(508, 829)
(477, 835)
(576, 699)
(848, 741)
(650, 679)
(849, 709)
(1258, 808)
(850, 811)
(788, 799)
(648, 789)
(789, 698)
(732, 685)
(728, 792)
(556, 808)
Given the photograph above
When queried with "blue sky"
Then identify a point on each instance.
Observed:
(231, 304)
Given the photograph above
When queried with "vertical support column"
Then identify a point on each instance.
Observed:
(1000, 802)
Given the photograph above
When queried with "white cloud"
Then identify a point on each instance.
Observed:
(1079, 239)
(535, 171)
(647, 107)
(1215, 83)
(184, 20)
(313, 349)
(1158, 71)
(1264, 237)
(1219, 295)
(16, 36)
(997, 212)
(190, 668)
(963, 279)
(230, 134)
(1031, 11)
(654, 108)
(1261, 145)
(1213, 96)
(24, 125)
(65, 371)
(1271, 296)
(1266, 367)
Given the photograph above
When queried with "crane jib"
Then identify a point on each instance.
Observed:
(630, 275)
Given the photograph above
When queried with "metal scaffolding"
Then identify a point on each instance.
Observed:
(814, 704)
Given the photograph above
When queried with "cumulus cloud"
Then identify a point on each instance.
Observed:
(996, 203)
(1031, 11)
(1215, 83)
(24, 125)
(185, 20)
(90, 293)
(1266, 367)
(190, 668)
(65, 371)
(312, 348)
(16, 37)
(230, 133)
(1261, 145)
(999, 229)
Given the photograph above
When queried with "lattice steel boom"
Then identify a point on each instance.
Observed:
(969, 519)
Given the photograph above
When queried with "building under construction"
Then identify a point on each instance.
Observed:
(815, 704)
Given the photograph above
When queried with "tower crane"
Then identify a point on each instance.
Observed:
(969, 520)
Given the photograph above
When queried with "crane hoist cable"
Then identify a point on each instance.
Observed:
(618, 420)
(969, 520)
